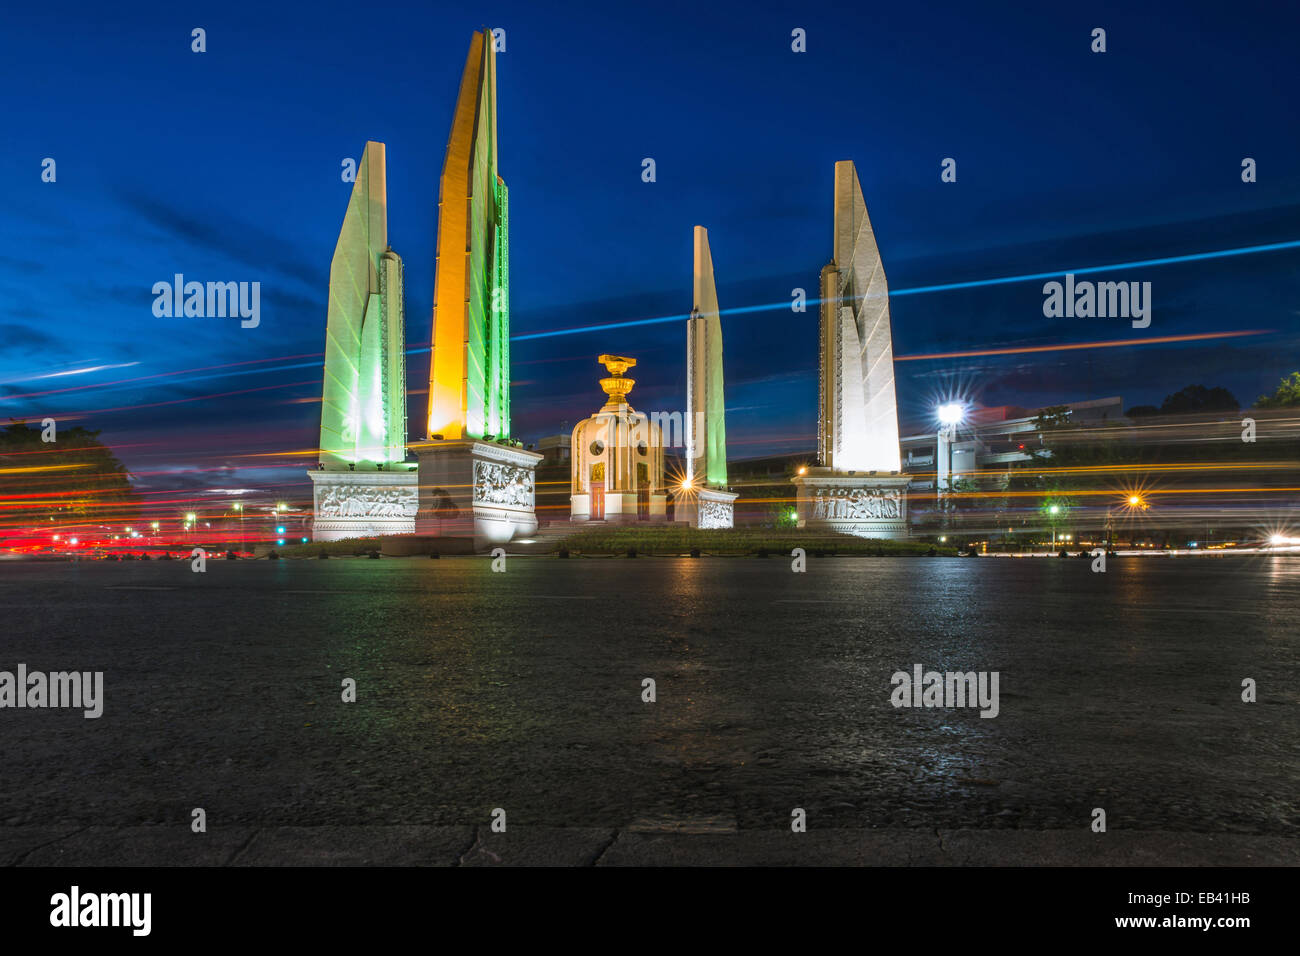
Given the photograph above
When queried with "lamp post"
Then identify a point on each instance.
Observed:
(950, 415)
(1135, 503)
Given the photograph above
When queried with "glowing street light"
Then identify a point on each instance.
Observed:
(1053, 510)
(950, 415)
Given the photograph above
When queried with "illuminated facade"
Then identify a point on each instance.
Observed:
(475, 484)
(469, 374)
(702, 499)
(857, 487)
(617, 457)
(363, 485)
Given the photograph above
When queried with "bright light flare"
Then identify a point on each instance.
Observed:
(951, 413)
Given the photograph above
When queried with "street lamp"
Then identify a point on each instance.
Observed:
(950, 415)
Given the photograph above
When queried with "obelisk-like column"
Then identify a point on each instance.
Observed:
(857, 487)
(476, 484)
(703, 499)
(363, 485)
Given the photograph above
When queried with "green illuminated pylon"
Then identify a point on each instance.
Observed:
(706, 424)
(363, 400)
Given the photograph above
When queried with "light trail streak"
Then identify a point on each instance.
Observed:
(1074, 346)
(943, 287)
(69, 416)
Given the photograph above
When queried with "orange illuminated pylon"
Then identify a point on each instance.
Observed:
(469, 370)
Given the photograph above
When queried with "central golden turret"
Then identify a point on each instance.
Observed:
(617, 386)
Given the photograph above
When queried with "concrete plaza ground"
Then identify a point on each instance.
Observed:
(638, 845)
(522, 690)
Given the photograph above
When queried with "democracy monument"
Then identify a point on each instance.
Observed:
(471, 480)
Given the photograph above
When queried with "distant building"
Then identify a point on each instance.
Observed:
(554, 449)
(990, 439)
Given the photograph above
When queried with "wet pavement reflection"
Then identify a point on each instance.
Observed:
(523, 690)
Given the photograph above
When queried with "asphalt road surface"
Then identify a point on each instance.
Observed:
(523, 690)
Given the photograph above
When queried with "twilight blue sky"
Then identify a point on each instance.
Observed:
(225, 166)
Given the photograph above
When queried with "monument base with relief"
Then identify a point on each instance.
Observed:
(476, 489)
(863, 504)
(363, 504)
(705, 508)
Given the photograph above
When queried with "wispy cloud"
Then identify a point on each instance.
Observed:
(236, 240)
